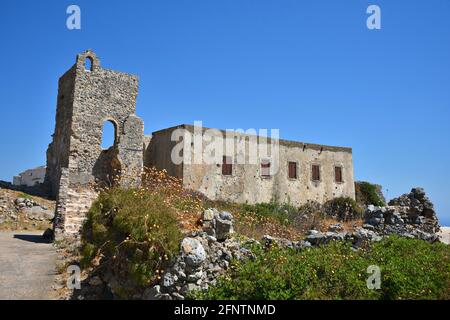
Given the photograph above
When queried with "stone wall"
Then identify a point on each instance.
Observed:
(158, 153)
(246, 184)
(58, 150)
(77, 166)
(76, 163)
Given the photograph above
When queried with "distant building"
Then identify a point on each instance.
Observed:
(30, 177)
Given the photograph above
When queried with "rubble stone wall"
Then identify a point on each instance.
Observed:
(246, 184)
(88, 96)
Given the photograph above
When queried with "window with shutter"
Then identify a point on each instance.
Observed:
(292, 169)
(316, 172)
(338, 174)
(227, 166)
(265, 168)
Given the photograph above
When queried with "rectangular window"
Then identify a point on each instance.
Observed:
(292, 168)
(227, 166)
(338, 174)
(315, 172)
(265, 168)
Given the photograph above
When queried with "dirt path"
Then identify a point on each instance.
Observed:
(27, 266)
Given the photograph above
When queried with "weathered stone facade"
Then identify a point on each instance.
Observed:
(246, 184)
(76, 164)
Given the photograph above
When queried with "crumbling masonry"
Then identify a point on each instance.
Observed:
(77, 166)
(87, 97)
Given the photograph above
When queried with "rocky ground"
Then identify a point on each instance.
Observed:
(205, 255)
(20, 211)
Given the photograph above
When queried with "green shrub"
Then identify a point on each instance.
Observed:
(343, 208)
(366, 194)
(281, 212)
(413, 269)
(410, 269)
(133, 231)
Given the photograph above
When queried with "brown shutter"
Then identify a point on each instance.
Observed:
(227, 166)
(265, 168)
(338, 174)
(316, 173)
(292, 170)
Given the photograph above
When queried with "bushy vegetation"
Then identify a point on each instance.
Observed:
(410, 269)
(288, 221)
(171, 188)
(282, 212)
(133, 231)
(251, 222)
(366, 194)
(343, 209)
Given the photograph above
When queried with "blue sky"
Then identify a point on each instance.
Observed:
(310, 68)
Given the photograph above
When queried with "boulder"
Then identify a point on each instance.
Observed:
(223, 227)
(217, 224)
(19, 201)
(152, 293)
(315, 237)
(366, 235)
(193, 251)
(374, 216)
(335, 227)
(270, 241)
(169, 279)
(38, 213)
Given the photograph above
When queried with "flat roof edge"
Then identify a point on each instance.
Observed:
(283, 142)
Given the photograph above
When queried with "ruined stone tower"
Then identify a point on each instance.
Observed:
(88, 96)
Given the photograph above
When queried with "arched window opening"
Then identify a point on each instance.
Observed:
(88, 64)
(109, 135)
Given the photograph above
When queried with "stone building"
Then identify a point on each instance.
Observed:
(30, 177)
(294, 172)
(77, 166)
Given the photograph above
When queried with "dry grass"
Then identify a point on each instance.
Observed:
(254, 225)
(346, 225)
(12, 195)
(7, 206)
(24, 224)
(187, 204)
